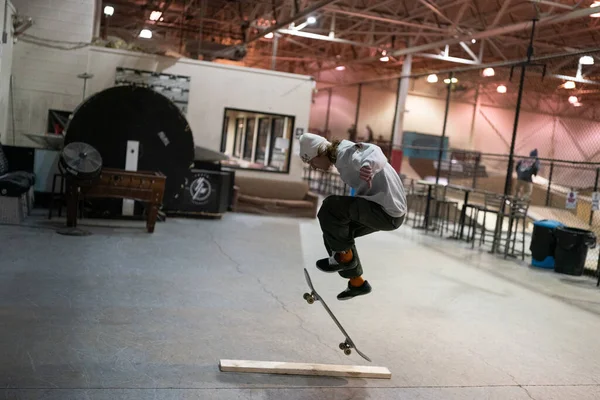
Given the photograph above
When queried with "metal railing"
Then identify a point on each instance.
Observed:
(325, 183)
(551, 187)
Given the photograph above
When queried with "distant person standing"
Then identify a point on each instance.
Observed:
(525, 171)
(370, 135)
(352, 133)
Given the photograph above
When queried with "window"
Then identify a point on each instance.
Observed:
(278, 143)
(264, 131)
(258, 140)
(239, 134)
(249, 139)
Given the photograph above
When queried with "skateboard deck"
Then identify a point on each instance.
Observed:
(313, 296)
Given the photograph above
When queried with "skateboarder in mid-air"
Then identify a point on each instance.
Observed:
(379, 203)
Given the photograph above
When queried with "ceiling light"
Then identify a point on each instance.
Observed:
(384, 59)
(595, 4)
(473, 41)
(432, 78)
(155, 15)
(578, 104)
(340, 68)
(573, 99)
(586, 60)
(109, 10)
(146, 34)
(311, 20)
(501, 89)
(569, 85)
(489, 72)
(447, 80)
(269, 35)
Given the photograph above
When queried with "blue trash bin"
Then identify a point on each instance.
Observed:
(543, 243)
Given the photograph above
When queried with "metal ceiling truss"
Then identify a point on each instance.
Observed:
(354, 33)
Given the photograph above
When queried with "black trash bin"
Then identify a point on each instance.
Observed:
(571, 249)
(543, 243)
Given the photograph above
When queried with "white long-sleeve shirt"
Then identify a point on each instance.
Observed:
(386, 189)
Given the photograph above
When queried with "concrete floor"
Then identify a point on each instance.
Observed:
(123, 314)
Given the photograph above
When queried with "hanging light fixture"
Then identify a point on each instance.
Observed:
(489, 72)
(573, 99)
(501, 89)
(569, 85)
(447, 80)
(340, 68)
(146, 34)
(109, 11)
(155, 15)
(269, 35)
(384, 57)
(433, 78)
(595, 4)
(586, 60)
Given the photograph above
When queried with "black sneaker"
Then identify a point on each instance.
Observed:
(353, 291)
(330, 265)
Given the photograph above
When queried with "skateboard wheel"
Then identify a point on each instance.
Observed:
(347, 352)
(342, 346)
(310, 300)
(306, 296)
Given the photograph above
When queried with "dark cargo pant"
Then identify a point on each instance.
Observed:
(344, 218)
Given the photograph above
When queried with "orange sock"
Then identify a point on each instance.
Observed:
(345, 256)
(357, 281)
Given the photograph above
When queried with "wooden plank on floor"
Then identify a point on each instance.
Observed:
(287, 368)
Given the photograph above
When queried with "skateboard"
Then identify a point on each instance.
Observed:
(313, 296)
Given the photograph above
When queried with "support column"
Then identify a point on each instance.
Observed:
(552, 144)
(402, 94)
(328, 111)
(509, 168)
(447, 110)
(476, 111)
(357, 108)
(275, 45)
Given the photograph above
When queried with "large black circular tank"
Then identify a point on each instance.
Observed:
(108, 119)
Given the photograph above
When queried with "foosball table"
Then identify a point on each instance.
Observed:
(146, 187)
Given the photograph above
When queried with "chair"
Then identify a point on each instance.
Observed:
(416, 201)
(16, 192)
(492, 204)
(518, 209)
(442, 210)
(57, 197)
